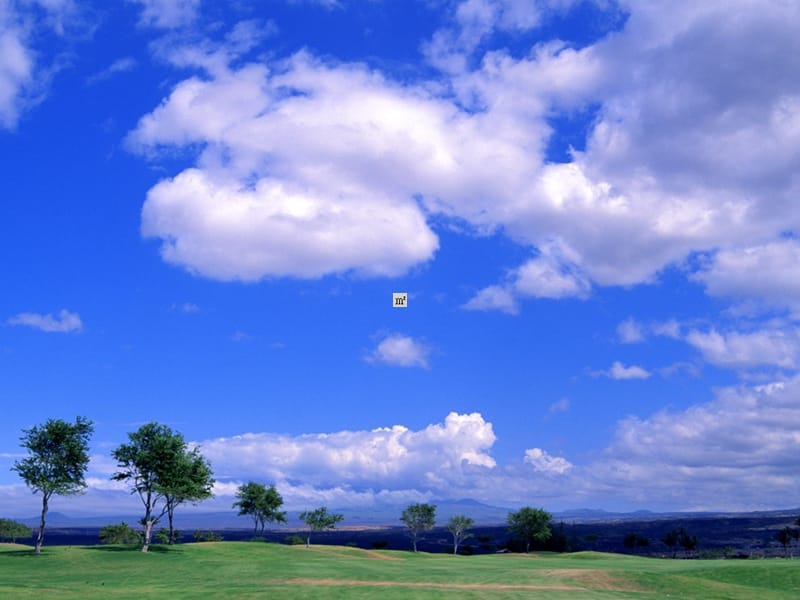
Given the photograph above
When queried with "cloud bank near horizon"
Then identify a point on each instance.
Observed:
(716, 456)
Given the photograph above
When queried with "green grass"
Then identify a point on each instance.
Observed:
(258, 570)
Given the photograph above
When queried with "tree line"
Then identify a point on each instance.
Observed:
(162, 469)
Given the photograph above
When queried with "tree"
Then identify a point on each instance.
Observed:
(419, 518)
(58, 458)
(261, 503)
(458, 525)
(671, 539)
(530, 525)
(11, 530)
(120, 534)
(688, 542)
(319, 520)
(785, 537)
(191, 480)
(150, 463)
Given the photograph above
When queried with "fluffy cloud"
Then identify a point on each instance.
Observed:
(546, 463)
(400, 351)
(767, 273)
(392, 457)
(323, 161)
(551, 274)
(65, 322)
(620, 371)
(720, 455)
(775, 347)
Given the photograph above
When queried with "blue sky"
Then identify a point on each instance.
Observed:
(207, 206)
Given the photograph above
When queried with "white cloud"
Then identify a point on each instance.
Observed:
(551, 274)
(16, 64)
(776, 347)
(388, 457)
(675, 163)
(630, 332)
(620, 371)
(168, 14)
(225, 231)
(400, 351)
(767, 273)
(737, 452)
(546, 463)
(559, 406)
(65, 322)
(494, 297)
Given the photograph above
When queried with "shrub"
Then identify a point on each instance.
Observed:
(295, 540)
(380, 544)
(11, 530)
(206, 536)
(120, 534)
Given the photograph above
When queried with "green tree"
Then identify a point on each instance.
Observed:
(688, 542)
(11, 530)
(419, 518)
(671, 539)
(58, 455)
(530, 525)
(785, 537)
(457, 526)
(121, 533)
(260, 502)
(319, 520)
(149, 463)
(190, 480)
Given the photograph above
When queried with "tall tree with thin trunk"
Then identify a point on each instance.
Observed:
(418, 518)
(458, 526)
(148, 463)
(191, 480)
(58, 455)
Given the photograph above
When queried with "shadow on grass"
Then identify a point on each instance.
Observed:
(158, 549)
(25, 553)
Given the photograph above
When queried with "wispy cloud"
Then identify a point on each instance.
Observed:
(120, 65)
(65, 322)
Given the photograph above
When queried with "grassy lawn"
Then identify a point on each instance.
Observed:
(258, 570)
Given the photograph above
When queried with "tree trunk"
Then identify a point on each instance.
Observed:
(455, 548)
(308, 541)
(40, 535)
(170, 512)
(527, 547)
(414, 541)
(148, 532)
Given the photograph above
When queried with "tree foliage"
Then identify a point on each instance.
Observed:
(319, 520)
(458, 526)
(260, 502)
(58, 455)
(419, 518)
(163, 472)
(11, 530)
(191, 480)
(530, 525)
(122, 533)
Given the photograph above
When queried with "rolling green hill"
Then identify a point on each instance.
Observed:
(257, 570)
